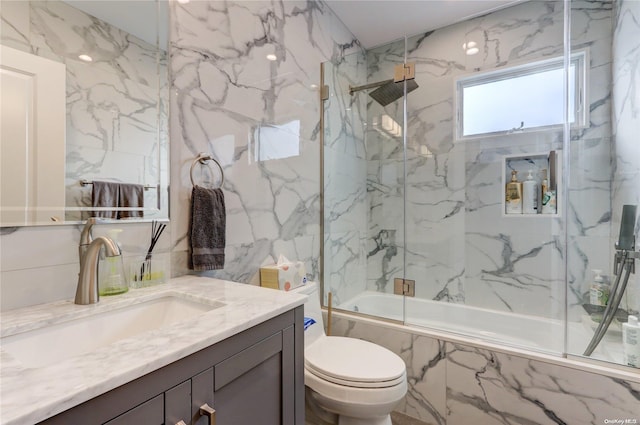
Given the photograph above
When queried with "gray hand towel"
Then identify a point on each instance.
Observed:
(104, 194)
(131, 196)
(207, 229)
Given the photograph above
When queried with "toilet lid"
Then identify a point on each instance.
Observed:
(354, 362)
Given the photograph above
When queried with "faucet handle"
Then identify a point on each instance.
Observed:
(86, 236)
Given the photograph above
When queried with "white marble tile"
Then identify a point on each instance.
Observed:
(273, 204)
(494, 388)
(14, 30)
(346, 274)
(626, 121)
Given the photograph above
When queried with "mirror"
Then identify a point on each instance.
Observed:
(84, 98)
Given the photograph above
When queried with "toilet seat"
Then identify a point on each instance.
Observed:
(354, 363)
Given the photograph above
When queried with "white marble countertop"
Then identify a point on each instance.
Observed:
(30, 395)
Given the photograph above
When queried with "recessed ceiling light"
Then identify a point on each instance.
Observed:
(85, 58)
(472, 51)
(272, 57)
(469, 45)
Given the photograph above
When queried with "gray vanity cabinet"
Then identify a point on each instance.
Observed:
(254, 377)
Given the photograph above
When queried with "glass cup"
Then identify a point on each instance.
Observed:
(147, 270)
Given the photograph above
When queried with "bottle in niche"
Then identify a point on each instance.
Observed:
(513, 195)
(544, 186)
(530, 195)
(549, 202)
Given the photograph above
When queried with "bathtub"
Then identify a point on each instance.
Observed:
(473, 365)
(489, 326)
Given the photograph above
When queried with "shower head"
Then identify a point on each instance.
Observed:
(387, 91)
(391, 92)
(626, 238)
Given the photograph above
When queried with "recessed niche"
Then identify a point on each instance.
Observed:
(540, 164)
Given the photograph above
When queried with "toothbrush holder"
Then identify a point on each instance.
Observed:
(147, 270)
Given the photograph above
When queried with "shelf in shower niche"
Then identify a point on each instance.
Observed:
(531, 215)
(621, 314)
(536, 162)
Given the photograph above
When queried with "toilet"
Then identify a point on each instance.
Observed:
(348, 381)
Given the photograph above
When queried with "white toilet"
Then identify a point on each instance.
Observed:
(348, 381)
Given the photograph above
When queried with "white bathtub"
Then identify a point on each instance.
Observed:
(491, 326)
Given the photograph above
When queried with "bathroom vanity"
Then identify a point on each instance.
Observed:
(243, 348)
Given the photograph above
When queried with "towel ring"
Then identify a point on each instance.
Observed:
(203, 158)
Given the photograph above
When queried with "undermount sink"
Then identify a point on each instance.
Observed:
(51, 344)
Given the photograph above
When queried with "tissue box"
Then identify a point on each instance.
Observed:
(285, 275)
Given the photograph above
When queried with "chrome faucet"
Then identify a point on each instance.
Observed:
(89, 252)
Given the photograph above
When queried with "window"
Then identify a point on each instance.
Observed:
(522, 98)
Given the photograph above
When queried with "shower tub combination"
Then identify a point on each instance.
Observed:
(518, 331)
(409, 192)
(465, 374)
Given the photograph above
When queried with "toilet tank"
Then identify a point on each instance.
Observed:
(314, 325)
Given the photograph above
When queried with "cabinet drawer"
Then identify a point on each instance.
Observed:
(148, 413)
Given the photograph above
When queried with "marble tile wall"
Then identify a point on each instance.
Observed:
(385, 174)
(453, 383)
(590, 208)
(626, 123)
(470, 252)
(223, 92)
(113, 128)
(345, 179)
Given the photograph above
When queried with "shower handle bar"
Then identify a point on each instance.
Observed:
(352, 90)
(627, 259)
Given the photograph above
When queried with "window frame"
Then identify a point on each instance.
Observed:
(579, 58)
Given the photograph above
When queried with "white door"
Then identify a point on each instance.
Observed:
(32, 138)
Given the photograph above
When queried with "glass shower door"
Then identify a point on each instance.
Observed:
(363, 173)
(480, 272)
(605, 164)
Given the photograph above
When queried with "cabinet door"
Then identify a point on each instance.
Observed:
(248, 386)
(177, 404)
(202, 396)
(149, 413)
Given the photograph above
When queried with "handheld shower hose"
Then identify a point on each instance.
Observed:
(624, 260)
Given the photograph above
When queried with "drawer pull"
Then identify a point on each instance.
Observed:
(209, 412)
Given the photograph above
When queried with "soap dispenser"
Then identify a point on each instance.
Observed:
(111, 279)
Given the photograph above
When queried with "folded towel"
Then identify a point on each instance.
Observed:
(207, 229)
(104, 194)
(131, 196)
